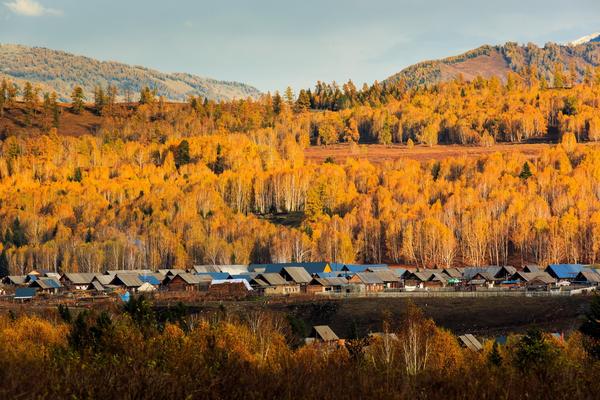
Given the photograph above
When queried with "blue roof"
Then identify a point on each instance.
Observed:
(242, 276)
(53, 283)
(310, 267)
(25, 293)
(564, 271)
(336, 266)
(151, 279)
(215, 275)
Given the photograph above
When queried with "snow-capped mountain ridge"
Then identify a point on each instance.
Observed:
(594, 37)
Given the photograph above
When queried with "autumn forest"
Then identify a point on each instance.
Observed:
(159, 185)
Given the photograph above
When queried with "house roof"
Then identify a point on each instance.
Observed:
(310, 267)
(95, 285)
(369, 278)
(215, 275)
(386, 275)
(564, 271)
(297, 274)
(452, 273)
(470, 342)
(529, 276)
(170, 271)
(234, 269)
(193, 279)
(78, 278)
(324, 332)
(470, 272)
(588, 276)
(25, 293)
(127, 280)
(259, 282)
(103, 279)
(438, 277)
(229, 281)
(114, 272)
(204, 269)
(532, 268)
(15, 279)
(46, 283)
(272, 279)
(504, 271)
(329, 281)
(418, 276)
(544, 278)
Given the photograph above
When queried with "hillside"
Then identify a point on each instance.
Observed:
(59, 71)
(489, 61)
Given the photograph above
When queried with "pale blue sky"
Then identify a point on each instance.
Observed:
(273, 43)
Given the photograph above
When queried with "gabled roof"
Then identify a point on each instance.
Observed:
(386, 275)
(470, 272)
(532, 268)
(273, 279)
(529, 276)
(95, 285)
(114, 272)
(234, 269)
(590, 276)
(470, 342)
(193, 279)
(259, 282)
(369, 278)
(564, 271)
(438, 277)
(324, 332)
(504, 271)
(329, 281)
(103, 279)
(542, 277)
(78, 278)
(418, 276)
(54, 275)
(200, 269)
(483, 275)
(170, 271)
(297, 274)
(127, 280)
(310, 267)
(247, 276)
(452, 272)
(15, 279)
(45, 283)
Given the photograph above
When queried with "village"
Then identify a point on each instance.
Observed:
(302, 279)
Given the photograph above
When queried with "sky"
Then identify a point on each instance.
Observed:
(272, 44)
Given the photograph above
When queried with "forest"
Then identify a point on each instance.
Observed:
(134, 351)
(158, 185)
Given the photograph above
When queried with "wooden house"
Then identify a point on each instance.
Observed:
(186, 282)
(367, 281)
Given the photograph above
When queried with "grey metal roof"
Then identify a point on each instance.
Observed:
(191, 279)
(298, 274)
(453, 272)
(46, 283)
(386, 275)
(15, 279)
(324, 332)
(470, 342)
(369, 278)
(127, 280)
(272, 279)
(78, 278)
(588, 276)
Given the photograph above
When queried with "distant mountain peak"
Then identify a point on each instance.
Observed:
(594, 37)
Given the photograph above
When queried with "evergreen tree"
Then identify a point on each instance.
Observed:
(77, 100)
(303, 102)
(289, 96)
(525, 171)
(495, 358)
(182, 153)
(100, 99)
(277, 103)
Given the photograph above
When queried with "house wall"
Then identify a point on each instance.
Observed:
(179, 285)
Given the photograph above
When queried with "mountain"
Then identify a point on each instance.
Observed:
(488, 61)
(594, 37)
(59, 71)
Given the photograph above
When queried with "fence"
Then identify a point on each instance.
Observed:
(474, 294)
